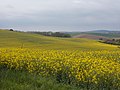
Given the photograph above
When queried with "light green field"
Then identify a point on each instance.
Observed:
(9, 39)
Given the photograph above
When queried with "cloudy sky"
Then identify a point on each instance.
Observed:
(60, 15)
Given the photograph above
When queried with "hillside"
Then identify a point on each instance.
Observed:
(9, 39)
(108, 35)
(99, 33)
(89, 36)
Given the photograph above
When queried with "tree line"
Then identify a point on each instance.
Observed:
(111, 41)
(54, 34)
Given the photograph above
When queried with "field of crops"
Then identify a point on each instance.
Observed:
(84, 63)
(98, 69)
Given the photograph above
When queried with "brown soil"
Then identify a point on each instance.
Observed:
(95, 37)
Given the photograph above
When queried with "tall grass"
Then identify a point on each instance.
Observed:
(22, 80)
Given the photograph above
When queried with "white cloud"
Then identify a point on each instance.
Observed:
(85, 14)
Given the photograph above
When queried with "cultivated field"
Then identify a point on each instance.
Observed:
(82, 64)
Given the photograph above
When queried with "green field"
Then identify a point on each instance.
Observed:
(35, 62)
(10, 39)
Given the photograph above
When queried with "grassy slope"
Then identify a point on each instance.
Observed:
(10, 39)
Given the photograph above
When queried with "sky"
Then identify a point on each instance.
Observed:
(60, 15)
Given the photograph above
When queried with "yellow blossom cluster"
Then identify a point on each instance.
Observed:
(100, 68)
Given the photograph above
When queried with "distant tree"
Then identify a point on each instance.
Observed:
(113, 39)
(118, 40)
(54, 34)
(67, 35)
(57, 34)
(11, 30)
(100, 38)
(49, 33)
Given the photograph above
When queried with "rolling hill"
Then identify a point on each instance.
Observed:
(9, 39)
(89, 36)
(96, 34)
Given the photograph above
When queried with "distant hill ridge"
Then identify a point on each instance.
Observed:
(88, 36)
(104, 31)
(96, 33)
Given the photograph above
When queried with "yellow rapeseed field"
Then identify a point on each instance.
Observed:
(85, 68)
